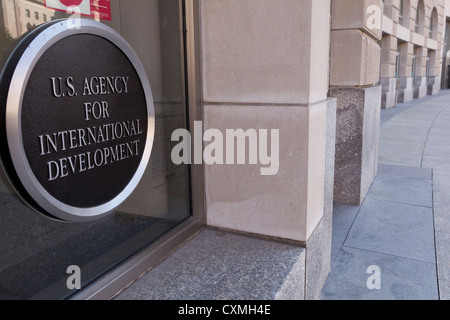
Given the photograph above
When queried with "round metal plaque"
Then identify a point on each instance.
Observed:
(78, 120)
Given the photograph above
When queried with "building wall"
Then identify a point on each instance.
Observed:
(445, 77)
(411, 49)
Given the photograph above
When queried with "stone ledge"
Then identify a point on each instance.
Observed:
(217, 265)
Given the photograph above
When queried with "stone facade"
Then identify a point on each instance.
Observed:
(411, 49)
(354, 76)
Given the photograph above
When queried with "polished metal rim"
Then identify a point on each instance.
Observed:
(19, 80)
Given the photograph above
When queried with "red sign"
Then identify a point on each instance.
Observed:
(102, 8)
(69, 3)
(97, 9)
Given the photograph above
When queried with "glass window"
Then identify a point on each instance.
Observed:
(400, 13)
(35, 251)
(416, 28)
(430, 34)
(433, 24)
(420, 17)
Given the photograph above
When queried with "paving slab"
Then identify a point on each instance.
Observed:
(407, 190)
(416, 130)
(443, 261)
(395, 229)
(343, 218)
(441, 180)
(436, 162)
(441, 211)
(438, 139)
(442, 151)
(399, 161)
(400, 278)
(403, 171)
(397, 152)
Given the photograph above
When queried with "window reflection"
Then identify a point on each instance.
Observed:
(20, 16)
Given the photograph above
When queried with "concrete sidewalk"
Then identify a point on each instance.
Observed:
(403, 225)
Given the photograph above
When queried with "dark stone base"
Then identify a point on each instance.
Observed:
(357, 135)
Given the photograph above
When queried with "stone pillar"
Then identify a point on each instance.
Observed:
(435, 45)
(354, 77)
(405, 86)
(388, 80)
(434, 79)
(420, 80)
(265, 66)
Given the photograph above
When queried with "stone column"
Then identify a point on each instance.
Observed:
(420, 80)
(436, 44)
(387, 73)
(265, 66)
(433, 79)
(355, 65)
(405, 86)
